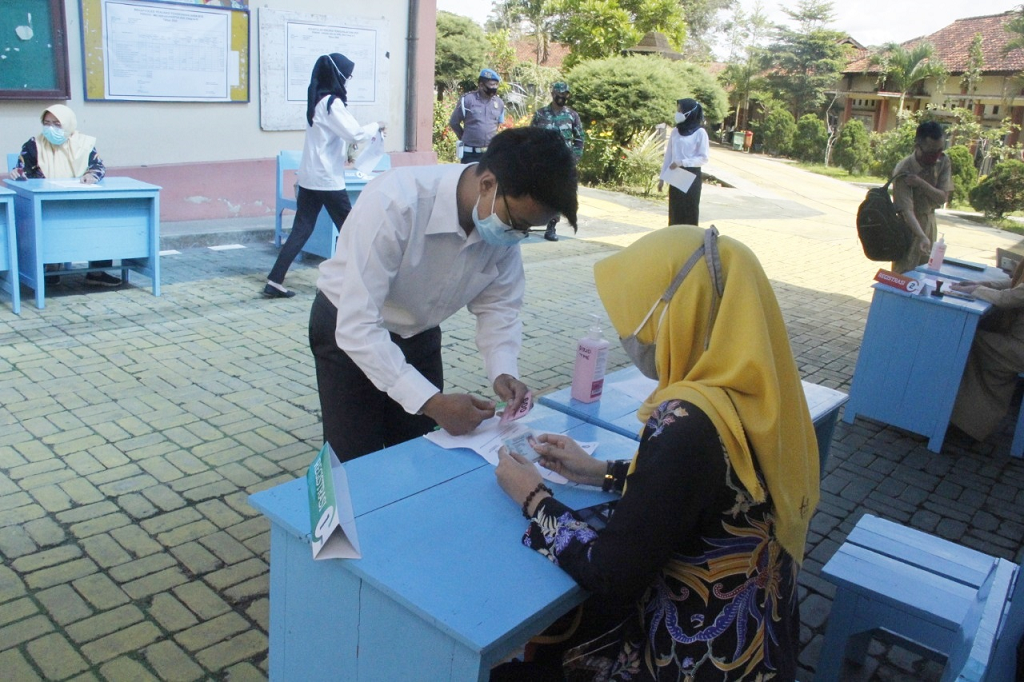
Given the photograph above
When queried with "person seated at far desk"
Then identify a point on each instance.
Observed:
(997, 356)
(61, 151)
(694, 577)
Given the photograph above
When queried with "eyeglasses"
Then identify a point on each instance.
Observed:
(524, 232)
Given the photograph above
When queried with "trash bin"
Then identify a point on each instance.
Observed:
(737, 140)
(748, 139)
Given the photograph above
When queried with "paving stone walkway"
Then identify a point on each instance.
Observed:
(133, 428)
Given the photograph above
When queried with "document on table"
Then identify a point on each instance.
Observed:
(488, 438)
(679, 178)
(74, 184)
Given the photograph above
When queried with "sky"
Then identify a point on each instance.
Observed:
(870, 22)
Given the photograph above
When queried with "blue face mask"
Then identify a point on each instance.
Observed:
(54, 135)
(493, 231)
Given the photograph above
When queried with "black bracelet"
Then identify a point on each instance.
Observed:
(533, 493)
(609, 479)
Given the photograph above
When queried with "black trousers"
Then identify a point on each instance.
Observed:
(359, 418)
(684, 207)
(308, 203)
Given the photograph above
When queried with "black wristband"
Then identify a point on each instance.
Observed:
(533, 493)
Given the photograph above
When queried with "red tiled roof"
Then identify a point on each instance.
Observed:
(952, 45)
(526, 51)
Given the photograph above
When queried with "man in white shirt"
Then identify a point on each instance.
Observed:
(421, 243)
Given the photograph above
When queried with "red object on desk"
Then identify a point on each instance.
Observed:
(897, 281)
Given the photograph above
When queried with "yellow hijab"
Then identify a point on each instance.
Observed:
(746, 380)
(71, 159)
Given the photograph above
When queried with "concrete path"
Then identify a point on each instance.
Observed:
(132, 428)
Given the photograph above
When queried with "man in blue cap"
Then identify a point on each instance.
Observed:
(477, 116)
(561, 118)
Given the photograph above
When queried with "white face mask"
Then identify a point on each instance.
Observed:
(492, 230)
(680, 117)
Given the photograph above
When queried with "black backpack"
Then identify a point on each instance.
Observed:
(883, 233)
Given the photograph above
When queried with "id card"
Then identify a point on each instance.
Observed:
(523, 445)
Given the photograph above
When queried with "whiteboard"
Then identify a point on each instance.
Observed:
(156, 51)
(291, 42)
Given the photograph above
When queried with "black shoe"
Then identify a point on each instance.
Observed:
(550, 236)
(102, 279)
(273, 292)
(51, 280)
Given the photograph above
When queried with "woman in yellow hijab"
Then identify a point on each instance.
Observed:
(694, 576)
(60, 152)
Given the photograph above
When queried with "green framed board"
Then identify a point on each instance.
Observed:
(158, 51)
(33, 50)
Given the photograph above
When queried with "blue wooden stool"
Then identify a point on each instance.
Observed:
(931, 595)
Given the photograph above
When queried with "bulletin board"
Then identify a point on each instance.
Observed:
(158, 51)
(291, 42)
(33, 50)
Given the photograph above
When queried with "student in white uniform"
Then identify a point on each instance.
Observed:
(687, 148)
(421, 243)
(321, 174)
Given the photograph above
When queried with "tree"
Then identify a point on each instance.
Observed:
(903, 68)
(853, 150)
(806, 61)
(702, 23)
(538, 15)
(461, 51)
(777, 131)
(626, 96)
(975, 64)
(595, 29)
(703, 87)
(747, 60)
(1001, 191)
(810, 139)
(1015, 26)
(965, 175)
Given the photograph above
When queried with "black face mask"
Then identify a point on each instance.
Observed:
(491, 92)
(560, 100)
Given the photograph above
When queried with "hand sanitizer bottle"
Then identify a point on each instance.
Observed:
(938, 254)
(591, 359)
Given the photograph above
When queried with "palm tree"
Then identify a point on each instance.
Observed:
(903, 68)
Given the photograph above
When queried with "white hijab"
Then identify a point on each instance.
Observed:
(71, 159)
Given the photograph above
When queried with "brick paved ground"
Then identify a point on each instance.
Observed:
(133, 428)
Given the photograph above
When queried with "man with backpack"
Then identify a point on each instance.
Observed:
(922, 183)
(477, 116)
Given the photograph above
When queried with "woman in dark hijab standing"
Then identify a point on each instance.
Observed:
(687, 148)
(321, 174)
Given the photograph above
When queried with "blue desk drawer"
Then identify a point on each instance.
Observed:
(98, 229)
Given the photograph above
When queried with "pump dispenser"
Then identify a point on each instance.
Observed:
(591, 360)
(938, 254)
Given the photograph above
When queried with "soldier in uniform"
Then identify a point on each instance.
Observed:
(562, 118)
(477, 116)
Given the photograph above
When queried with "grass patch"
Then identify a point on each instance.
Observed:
(840, 173)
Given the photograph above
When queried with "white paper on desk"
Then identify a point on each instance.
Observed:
(680, 178)
(371, 155)
(74, 184)
(331, 519)
(488, 438)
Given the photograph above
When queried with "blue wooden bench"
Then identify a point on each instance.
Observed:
(928, 594)
(286, 161)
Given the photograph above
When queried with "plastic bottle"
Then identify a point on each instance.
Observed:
(938, 253)
(591, 359)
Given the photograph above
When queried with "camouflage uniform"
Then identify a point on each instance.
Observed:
(567, 123)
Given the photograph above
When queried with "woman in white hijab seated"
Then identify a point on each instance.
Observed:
(60, 151)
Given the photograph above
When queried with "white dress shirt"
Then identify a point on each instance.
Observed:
(689, 151)
(403, 264)
(325, 150)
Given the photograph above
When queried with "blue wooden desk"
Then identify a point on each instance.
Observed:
(445, 589)
(9, 250)
(325, 235)
(64, 221)
(616, 410)
(911, 360)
